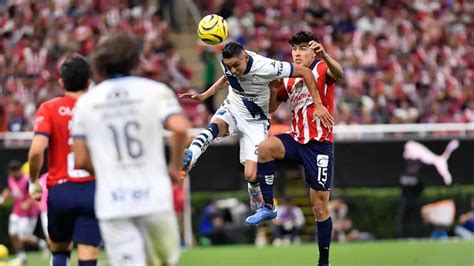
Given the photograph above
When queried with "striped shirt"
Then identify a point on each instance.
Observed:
(303, 129)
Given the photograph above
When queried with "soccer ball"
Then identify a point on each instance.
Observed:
(212, 29)
(3, 252)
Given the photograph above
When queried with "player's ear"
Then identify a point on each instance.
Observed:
(61, 83)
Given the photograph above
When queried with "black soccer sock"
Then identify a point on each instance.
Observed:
(324, 239)
(266, 175)
(87, 262)
(60, 258)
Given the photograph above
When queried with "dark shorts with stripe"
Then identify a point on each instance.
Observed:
(316, 158)
(71, 215)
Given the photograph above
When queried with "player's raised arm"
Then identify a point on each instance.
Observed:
(319, 110)
(217, 86)
(334, 68)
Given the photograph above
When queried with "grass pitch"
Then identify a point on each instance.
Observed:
(389, 253)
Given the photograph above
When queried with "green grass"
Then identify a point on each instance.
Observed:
(396, 253)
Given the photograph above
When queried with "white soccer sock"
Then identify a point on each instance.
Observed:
(200, 143)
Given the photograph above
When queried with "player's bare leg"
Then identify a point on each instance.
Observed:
(217, 128)
(19, 248)
(87, 254)
(320, 205)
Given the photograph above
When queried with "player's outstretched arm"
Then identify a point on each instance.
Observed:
(82, 157)
(178, 124)
(217, 86)
(275, 87)
(319, 111)
(335, 69)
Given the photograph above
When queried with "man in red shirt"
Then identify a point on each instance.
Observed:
(309, 141)
(71, 214)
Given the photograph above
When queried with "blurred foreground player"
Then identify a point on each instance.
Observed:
(118, 130)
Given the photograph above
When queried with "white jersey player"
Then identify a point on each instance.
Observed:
(118, 128)
(246, 109)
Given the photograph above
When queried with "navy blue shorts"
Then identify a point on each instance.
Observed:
(316, 158)
(71, 213)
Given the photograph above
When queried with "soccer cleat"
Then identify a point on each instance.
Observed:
(263, 213)
(187, 160)
(324, 264)
(256, 197)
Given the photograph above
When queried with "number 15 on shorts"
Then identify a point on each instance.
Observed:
(322, 163)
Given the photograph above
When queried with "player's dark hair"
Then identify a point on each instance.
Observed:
(302, 37)
(232, 49)
(75, 73)
(116, 54)
(14, 165)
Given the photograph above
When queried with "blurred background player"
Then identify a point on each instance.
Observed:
(70, 200)
(309, 141)
(118, 130)
(246, 108)
(289, 223)
(24, 215)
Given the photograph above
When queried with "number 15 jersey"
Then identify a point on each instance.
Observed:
(121, 120)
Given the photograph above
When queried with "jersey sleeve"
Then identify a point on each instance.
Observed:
(167, 104)
(42, 122)
(273, 69)
(78, 129)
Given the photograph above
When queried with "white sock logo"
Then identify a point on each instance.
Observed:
(269, 179)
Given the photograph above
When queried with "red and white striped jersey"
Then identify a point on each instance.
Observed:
(303, 129)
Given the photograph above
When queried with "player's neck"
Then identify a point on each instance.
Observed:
(73, 94)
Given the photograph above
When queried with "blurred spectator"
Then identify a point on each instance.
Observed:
(410, 223)
(222, 223)
(465, 228)
(343, 230)
(35, 36)
(405, 61)
(289, 223)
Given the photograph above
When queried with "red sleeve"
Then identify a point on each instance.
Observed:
(282, 95)
(42, 122)
(323, 72)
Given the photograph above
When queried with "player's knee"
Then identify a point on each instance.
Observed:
(250, 175)
(265, 152)
(321, 211)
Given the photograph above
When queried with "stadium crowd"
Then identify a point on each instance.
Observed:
(404, 61)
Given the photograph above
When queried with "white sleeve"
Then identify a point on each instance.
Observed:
(167, 104)
(79, 118)
(273, 69)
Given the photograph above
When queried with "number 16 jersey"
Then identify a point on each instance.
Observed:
(121, 120)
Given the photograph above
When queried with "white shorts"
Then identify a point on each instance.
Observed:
(251, 132)
(23, 227)
(142, 240)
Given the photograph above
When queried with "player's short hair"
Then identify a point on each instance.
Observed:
(302, 37)
(14, 165)
(232, 49)
(116, 54)
(75, 73)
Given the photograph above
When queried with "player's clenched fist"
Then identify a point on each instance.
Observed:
(317, 48)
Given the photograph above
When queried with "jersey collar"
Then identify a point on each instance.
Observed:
(249, 64)
(314, 63)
